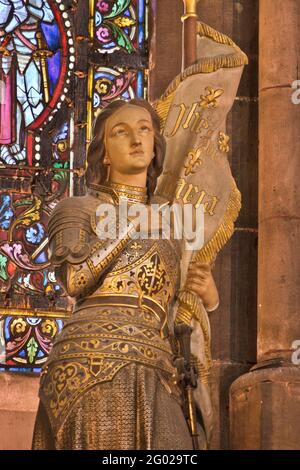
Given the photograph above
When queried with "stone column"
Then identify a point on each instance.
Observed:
(265, 403)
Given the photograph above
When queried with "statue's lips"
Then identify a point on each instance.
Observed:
(137, 153)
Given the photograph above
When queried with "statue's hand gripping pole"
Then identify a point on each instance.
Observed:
(188, 378)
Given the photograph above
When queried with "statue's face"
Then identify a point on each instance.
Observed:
(129, 140)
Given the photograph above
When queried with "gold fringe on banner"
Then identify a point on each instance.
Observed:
(209, 252)
(211, 64)
(189, 305)
(208, 32)
(162, 107)
(205, 65)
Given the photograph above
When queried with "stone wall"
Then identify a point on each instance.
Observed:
(18, 406)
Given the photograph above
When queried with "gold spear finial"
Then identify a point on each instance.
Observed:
(190, 9)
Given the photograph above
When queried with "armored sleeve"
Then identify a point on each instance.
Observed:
(76, 253)
(18, 17)
(41, 10)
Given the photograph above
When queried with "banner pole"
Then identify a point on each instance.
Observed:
(189, 33)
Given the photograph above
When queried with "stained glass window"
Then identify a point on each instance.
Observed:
(119, 30)
(60, 62)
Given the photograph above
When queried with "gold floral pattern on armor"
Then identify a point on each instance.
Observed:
(79, 280)
(118, 284)
(64, 383)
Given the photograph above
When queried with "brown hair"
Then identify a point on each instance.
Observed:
(96, 171)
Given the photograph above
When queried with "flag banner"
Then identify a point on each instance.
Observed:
(193, 113)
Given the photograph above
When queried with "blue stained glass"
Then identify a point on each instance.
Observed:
(6, 212)
(108, 46)
(140, 88)
(96, 100)
(98, 18)
(53, 70)
(6, 327)
(120, 35)
(42, 258)
(45, 280)
(141, 34)
(62, 133)
(22, 353)
(35, 234)
(52, 35)
(141, 11)
(40, 354)
(33, 321)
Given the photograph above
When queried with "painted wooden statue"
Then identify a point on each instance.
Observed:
(110, 381)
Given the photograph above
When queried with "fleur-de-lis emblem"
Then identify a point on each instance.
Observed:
(136, 247)
(210, 99)
(193, 161)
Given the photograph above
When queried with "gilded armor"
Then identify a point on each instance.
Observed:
(124, 291)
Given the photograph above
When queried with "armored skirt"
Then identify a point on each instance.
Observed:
(109, 382)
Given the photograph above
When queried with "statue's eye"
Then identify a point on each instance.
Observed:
(145, 129)
(120, 131)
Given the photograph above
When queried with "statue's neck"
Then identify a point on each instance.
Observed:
(127, 192)
(131, 193)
